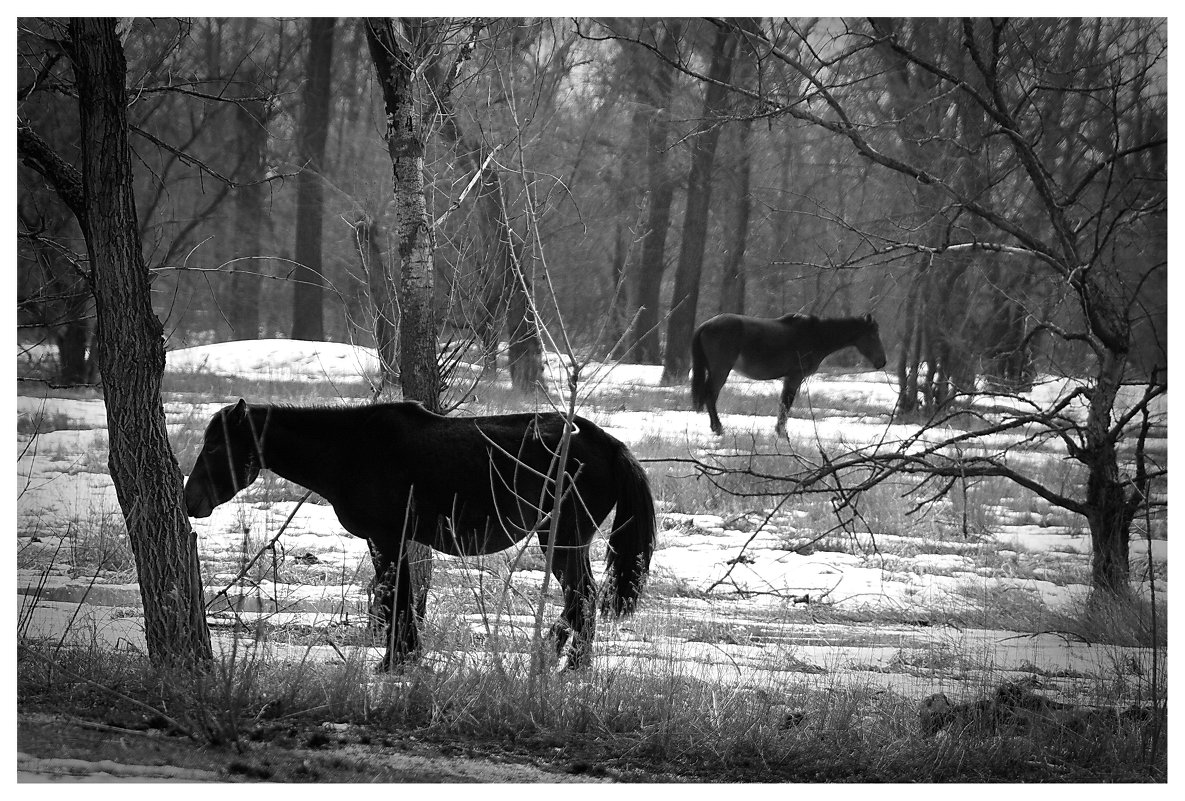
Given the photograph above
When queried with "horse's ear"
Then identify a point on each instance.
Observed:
(239, 410)
(867, 319)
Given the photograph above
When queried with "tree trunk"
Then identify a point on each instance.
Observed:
(524, 352)
(75, 335)
(495, 270)
(418, 366)
(681, 323)
(250, 122)
(131, 359)
(732, 279)
(308, 321)
(615, 326)
(72, 338)
(382, 298)
(909, 357)
(419, 370)
(772, 285)
(1109, 512)
(627, 196)
(654, 92)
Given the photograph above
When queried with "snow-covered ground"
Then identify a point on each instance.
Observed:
(736, 576)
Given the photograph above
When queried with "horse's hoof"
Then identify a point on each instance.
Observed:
(560, 634)
(397, 663)
(577, 661)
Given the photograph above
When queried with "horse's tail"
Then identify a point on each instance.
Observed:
(633, 538)
(699, 371)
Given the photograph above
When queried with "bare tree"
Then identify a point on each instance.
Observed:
(654, 93)
(1092, 229)
(732, 271)
(130, 345)
(308, 321)
(251, 116)
(397, 50)
(685, 298)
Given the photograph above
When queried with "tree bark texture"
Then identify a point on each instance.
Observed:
(418, 365)
(419, 369)
(654, 93)
(131, 359)
(688, 273)
(308, 320)
(1110, 507)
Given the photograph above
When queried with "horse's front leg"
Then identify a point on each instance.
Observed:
(382, 589)
(789, 390)
(403, 638)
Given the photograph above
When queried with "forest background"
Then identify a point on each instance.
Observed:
(651, 168)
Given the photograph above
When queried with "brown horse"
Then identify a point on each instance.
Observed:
(789, 347)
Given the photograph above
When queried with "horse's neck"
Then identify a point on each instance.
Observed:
(294, 450)
(835, 334)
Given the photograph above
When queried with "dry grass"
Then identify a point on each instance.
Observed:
(662, 715)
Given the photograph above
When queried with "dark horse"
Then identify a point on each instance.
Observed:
(789, 347)
(463, 485)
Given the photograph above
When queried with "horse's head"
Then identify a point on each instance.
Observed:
(229, 461)
(869, 342)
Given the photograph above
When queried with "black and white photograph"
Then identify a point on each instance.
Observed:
(690, 400)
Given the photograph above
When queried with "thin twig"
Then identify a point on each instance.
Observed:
(271, 543)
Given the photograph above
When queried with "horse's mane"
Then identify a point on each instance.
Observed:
(409, 405)
(344, 411)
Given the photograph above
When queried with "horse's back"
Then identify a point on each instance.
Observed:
(743, 328)
(486, 460)
(720, 324)
(720, 337)
(757, 347)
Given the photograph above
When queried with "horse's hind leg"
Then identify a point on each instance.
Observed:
(716, 379)
(720, 357)
(789, 390)
(578, 621)
(713, 418)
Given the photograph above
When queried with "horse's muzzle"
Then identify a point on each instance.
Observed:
(198, 510)
(196, 502)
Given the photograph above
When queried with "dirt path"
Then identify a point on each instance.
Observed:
(62, 748)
